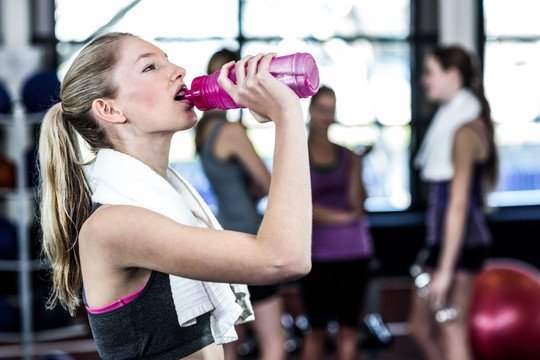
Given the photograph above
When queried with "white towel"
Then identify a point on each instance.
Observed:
(435, 155)
(119, 179)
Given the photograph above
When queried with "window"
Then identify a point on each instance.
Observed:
(362, 49)
(511, 73)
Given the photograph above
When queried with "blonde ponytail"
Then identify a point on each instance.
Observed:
(65, 193)
(65, 205)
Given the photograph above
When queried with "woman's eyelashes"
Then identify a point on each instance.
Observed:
(149, 68)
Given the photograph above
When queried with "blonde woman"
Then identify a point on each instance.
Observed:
(133, 237)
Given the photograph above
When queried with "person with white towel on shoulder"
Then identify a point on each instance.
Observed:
(458, 159)
(130, 237)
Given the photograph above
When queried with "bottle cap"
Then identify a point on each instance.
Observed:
(311, 76)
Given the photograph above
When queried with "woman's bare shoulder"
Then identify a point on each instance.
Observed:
(110, 224)
(474, 137)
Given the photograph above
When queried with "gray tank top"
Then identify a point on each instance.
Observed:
(230, 182)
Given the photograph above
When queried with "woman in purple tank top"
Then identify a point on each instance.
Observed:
(458, 159)
(341, 240)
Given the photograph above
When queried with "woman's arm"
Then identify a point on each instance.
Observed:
(464, 151)
(132, 237)
(322, 214)
(234, 142)
(355, 199)
(357, 188)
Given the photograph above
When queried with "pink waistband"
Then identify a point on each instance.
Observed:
(115, 305)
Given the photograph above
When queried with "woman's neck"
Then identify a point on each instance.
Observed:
(321, 149)
(319, 140)
(155, 154)
(452, 94)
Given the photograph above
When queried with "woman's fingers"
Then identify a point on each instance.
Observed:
(263, 64)
(223, 78)
(240, 68)
(256, 89)
(436, 304)
(253, 65)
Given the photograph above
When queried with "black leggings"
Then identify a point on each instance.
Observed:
(335, 290)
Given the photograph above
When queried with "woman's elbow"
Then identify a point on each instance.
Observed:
(305, 268)
(295, 268)
(302, 267)
(289, 261)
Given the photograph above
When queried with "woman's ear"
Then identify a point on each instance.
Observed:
(105, 110)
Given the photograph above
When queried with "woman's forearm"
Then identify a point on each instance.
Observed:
(454, 228)
(324, 214)
(288, 217)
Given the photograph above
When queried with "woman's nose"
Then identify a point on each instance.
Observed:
(178, 72)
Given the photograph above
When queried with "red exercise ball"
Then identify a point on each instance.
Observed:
(505, 312)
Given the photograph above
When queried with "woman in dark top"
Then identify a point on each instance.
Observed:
(458, 159)
(124, 99)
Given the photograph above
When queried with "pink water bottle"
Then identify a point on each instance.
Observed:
(298, 71)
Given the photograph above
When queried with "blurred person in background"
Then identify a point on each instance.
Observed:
(342, 246)
(458, 158)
